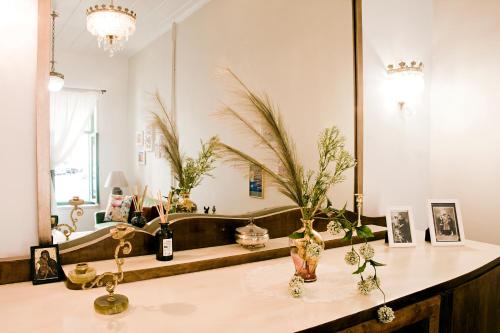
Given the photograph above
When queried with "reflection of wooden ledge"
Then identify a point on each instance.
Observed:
(188, 261)
(192, 231)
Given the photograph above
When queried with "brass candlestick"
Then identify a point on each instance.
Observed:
(359, 205)
(74, 216)
(86, 276)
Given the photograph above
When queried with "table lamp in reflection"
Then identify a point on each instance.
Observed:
(116, 180)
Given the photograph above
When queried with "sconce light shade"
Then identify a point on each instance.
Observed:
(406, 83)
(56, 81)
(116, 180)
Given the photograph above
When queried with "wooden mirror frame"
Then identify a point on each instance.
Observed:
(43, 113)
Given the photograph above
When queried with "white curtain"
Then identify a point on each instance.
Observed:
(70, 111)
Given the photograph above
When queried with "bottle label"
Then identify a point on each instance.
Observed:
(167, 247)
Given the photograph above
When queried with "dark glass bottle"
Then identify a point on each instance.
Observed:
(138, 220)
(164, 243)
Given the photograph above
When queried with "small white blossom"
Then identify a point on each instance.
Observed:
(313, 250)
(296, 286)
(296, 290)
(351, 258)
(364, 287)
(296, 280)
(385, 314)
(334, 228)
(374, 281)
(366, 251)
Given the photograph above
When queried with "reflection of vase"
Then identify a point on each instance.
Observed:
(306, 261)
(185, 204)
(138, 220)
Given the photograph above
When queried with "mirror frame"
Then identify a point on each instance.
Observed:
(43, 113)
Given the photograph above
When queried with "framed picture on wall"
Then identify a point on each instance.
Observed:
(256, 182)
(45, 264)
(400, 227)
(141, 158)
(139, 139)
(445, 222)
(148, 139)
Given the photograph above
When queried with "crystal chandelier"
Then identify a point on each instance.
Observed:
(56, 80)
(111, 24)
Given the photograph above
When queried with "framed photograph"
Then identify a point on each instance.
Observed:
(256, 182)
(45, 264)
(445, 222)
(400, 227)
(148, 139)
(139, 139)
(141, 158)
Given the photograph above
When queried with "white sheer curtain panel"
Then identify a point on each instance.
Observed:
(69, 115)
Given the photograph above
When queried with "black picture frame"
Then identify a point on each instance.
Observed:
(51, 271)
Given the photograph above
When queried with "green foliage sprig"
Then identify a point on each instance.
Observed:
(362, 258)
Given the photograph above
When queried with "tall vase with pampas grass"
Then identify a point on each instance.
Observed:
(188, 172)
(308, 189)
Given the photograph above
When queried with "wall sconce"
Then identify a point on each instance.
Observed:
(406, 82)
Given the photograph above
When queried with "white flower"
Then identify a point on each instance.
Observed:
(334, 228)
(296, 286)
(374, 281)
(351, 258)
(296, 290)
(385, 314)
(364, 287)
(313, 250)
(366, 251)
(296, 280)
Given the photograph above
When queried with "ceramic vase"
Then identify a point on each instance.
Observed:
(305, 260)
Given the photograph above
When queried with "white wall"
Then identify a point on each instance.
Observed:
(396, 143)
(149, 71)
(465, 114)
(115, 144)
(18, 226)
(303, 61)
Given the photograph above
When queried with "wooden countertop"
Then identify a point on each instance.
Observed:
(242, 298)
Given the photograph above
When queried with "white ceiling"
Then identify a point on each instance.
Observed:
(154, 17)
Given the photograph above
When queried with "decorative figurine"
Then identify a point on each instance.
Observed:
(213, 210)
(206, 209)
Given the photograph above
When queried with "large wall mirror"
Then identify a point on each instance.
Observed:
(303, 54)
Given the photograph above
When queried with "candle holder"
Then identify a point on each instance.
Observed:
(85, 275)
(359, 205)
(74, 216)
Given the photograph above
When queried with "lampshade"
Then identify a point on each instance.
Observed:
(406, 82)
(56, 81)
(116, 179)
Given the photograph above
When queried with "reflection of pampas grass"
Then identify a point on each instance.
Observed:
(307, 189)
(187, 171)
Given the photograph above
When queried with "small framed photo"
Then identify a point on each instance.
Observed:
(445, 222)
(139, 139)
(45, 264)
(400, 227)
(256, 182)
(141, 158)
(148, 139)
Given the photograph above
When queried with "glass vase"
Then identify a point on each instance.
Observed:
(304, 251)
(185, 204)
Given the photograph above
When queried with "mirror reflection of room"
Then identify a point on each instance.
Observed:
(104, 146)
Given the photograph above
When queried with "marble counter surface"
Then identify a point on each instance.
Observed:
(244, 298)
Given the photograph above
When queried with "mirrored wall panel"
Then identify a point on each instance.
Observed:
(173, 57)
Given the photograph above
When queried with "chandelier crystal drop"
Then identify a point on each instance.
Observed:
(112, 25)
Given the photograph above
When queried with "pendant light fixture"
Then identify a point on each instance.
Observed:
(56, 80)
(112, 25)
